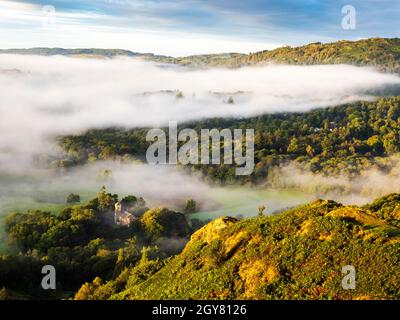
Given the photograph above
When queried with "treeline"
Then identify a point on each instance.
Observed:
(82, 243)
(382, 53)
(377, 52)
(334, 140)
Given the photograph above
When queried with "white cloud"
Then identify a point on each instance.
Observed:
(24, 25)
(170, 43)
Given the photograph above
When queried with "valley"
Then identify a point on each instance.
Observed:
(78, 192)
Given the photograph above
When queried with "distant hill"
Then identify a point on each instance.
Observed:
(378, 52)
(106, 53)
(298, 254)
(207, 60)
(193, 61)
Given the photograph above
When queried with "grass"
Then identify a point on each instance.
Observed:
(233, 201)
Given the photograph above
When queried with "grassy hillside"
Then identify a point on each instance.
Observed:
(298, 254)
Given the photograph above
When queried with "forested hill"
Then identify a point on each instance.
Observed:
(298, 254)
(381, 53)
(378, 52)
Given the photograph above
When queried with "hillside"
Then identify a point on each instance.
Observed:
(90, 52)
(298, 254)
(381, 53)
(377, 52)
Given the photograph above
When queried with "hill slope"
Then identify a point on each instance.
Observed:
(298, 254)
(382, 53)
(378, 52)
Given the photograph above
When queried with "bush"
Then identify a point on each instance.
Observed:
(73, 198)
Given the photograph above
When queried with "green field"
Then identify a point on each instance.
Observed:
(233, 201)
(22, 193)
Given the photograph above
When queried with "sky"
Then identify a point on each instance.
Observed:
(185, 27)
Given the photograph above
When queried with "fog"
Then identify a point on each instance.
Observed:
(45, 96)
(159, 185)
(42, 97)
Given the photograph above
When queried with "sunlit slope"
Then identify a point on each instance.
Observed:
(380, 52)
(298, 254)
(376, 52)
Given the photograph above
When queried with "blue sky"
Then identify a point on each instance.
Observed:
(177, 27)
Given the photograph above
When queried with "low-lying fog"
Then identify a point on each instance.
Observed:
(158, 185)
(44, 96)
(41, 97)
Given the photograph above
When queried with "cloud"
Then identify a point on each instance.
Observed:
(156, 184)
(164, 28)
(258, 24)
(46, 96)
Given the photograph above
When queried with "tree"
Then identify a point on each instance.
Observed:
(87, 291)
(310, 151)
(293, 146)
(261, 210)
(376, 145)
(161, 222)
(394, 112)
(132, 202)
(106, 201)
(191, 206)
(107, 153)
(3, 294)
(73, 198)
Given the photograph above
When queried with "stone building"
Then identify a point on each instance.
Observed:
(122, 216)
